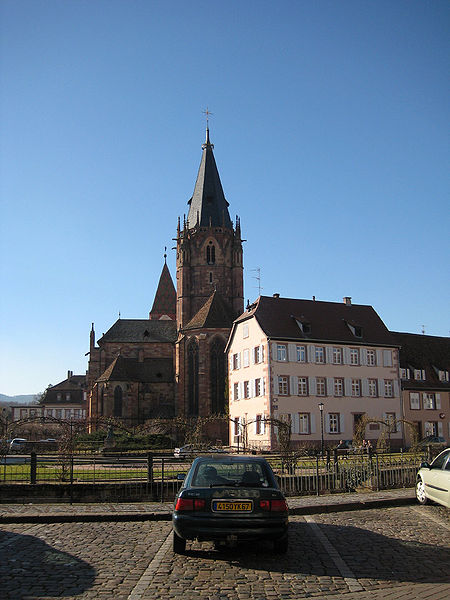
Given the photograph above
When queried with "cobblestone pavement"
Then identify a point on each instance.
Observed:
(391, 553)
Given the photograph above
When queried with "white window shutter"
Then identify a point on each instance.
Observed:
(341, 423)
(346, 356)
(294, 385)
(365, 387)
(295, 423)
(329, 354)
(252, 388)
(387, 358)
(252, 358)
(438, 401)
(274, 351)
(347, 386)
(327, 423)
(363, 356)
(311, 354)
(276, 389)
(231, 362)
(396, 389)
(330, 386)
(440, 429)
(379, 357)
(263, 424)
(263, 391)
(312, 420)
(381, 388)
(312, 386)
(292, 353)
(239, 360)
(262, 353)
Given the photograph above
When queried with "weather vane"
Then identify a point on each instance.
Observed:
(207, 112)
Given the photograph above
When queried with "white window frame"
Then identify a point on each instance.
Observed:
(414, 400)
(281, 352)
(371, 358)
(283, 385)
(321, 386)
(304, 423)
(334, 420)
(246, 358)
(337, 356)
(372, 386)
(301, 353)
(245, 330)
(388, 388)
(339, 387)
(319, 354)
(302, 386)
(354, 356)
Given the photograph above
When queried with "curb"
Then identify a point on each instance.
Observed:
(167, 516)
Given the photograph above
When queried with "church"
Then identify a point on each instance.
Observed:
(173, 364)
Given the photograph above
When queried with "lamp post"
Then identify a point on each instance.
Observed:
(321, 427)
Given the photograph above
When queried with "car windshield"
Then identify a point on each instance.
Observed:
(236, 473)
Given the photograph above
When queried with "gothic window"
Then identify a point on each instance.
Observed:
(193, 378)
(217, 376)
(118, 401)
(210, 253)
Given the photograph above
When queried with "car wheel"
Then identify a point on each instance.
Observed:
(420, 492)
(280, 546)
(179, 545)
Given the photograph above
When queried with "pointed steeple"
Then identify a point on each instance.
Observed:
(164, 305)
(208, 206)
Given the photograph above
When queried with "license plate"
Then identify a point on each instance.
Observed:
(231, 506)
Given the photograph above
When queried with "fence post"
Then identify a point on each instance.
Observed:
(378, 472)
(150, 467)
(33, 467)
(317, 476)
(162, 479)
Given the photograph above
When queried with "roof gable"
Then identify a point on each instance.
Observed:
(140, 330)
(215, 313)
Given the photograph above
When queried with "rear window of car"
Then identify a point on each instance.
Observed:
(248, 474)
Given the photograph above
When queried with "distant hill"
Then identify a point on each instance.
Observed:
(22, 399)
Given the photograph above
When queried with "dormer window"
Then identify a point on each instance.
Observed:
(355, 329)
(419, 374)
(443, 376)
(404, 373)
(304, 326)
(210, 253)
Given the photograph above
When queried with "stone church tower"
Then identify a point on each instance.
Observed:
(209, 292)
(173, 363)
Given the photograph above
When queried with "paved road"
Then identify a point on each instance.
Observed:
(390, 553)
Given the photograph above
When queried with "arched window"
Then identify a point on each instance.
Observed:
(193, 378)
(210, 253)
(217, 376)
(118, 395)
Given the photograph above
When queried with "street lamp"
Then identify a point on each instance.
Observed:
(321, 427)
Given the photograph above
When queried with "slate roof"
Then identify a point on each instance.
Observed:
(215, 313)
(208, 202)
(424, 352)
(284, 318)
(165, 298)
(140, 330)
(151, 370)
(75, 382)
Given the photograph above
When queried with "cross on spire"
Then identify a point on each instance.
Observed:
(207, 112)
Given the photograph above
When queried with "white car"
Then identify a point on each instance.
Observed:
(433, 481)
(17, 445)
(191, 451)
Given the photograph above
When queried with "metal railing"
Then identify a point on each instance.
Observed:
(159, 477)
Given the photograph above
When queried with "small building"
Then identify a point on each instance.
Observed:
(425, 383)
(289, 358)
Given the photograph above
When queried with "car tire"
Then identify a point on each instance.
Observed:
(179, 545)
(420, 492)
(280, 546)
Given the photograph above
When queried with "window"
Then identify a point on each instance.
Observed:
(58, 397)
(301, 354)
(237, 426)
(210, 254)
(245, 330)
(258, 387)
(338, 386)
(388, 388)
(303, 423)
(49, 412)
(281, 352)
(371, 358)
(356, 387)
(68, 397)
(321, 386)
(404, 373)
(320, 354)
(333, 419)
(354, 356)
(236, 391)
(337, 356)
(246, 358)
(431, 428)
(414, 401)
(236, 361)
(76, 413)
(373, 388)
(431, 401)
(283, 385)
(258, 425)
(391, 422)
(58, 413)
(258, 354)
(419, 375)
(246, 389)
(443, 376)
(302, 386)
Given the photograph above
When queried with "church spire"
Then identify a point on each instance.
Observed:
(208, 206)
(164, 305)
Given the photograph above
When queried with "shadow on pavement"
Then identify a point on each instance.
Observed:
(369, 555)
(31, 568)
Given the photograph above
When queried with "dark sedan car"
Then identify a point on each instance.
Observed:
(229, 499)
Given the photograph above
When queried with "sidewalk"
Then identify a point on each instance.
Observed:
(155, 511)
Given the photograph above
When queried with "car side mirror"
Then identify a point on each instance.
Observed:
(425, 465)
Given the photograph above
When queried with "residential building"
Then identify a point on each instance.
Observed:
(287, 356)
(425, 383)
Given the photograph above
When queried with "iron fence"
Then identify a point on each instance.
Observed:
(159, 477)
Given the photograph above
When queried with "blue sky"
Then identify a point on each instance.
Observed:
(330, 124)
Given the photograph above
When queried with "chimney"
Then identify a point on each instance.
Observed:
(276, 295)
(347, 300)
(69, 374)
